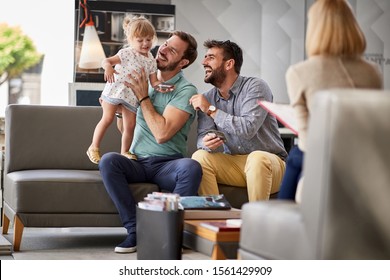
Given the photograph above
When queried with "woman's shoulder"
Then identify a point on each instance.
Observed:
(315, 64)
(312, 61)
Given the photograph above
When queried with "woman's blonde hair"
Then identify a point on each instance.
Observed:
(138, 27)
(333, 30)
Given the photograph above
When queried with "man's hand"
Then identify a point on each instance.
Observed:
(165, 126)
(138, 83)
(212, 142)
(199, 102)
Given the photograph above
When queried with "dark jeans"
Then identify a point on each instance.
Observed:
(174, 174)
(292, 174)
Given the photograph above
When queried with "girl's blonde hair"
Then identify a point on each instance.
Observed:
(333, 30)
(138, 27)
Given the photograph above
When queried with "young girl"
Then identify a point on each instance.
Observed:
(140, 35)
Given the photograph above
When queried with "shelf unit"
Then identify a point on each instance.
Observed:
(108, 17)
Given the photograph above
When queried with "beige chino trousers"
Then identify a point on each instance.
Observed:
(260, 172)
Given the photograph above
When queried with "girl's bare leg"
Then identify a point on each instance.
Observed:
(128, 118)
(100, 129)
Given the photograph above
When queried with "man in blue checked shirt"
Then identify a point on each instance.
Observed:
(252, 154)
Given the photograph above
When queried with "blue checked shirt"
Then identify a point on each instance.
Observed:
(247, 126)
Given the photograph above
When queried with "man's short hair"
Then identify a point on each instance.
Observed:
(230, 51)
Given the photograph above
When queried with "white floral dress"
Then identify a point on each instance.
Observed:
(117, 92)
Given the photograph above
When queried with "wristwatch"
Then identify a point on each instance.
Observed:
(211, 110)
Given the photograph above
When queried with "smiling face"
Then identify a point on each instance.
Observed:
(213, 64)
(170, 54)
(142, 44)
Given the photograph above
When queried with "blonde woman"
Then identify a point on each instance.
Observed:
(334, 45)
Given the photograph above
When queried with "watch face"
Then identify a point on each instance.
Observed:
(211, 110)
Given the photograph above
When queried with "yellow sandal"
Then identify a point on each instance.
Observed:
(129, 155)
(93, 155)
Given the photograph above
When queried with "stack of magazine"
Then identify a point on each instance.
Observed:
(209, 207)
(158, 201)
(208, 202)
(195, 207)
(219, 226)
(5, 246)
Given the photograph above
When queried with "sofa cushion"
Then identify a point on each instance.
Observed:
(63, 191)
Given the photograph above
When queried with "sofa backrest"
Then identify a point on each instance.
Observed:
(53, 137)
(57, 137)
(346, 189)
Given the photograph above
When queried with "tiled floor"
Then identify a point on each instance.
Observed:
(76, 244)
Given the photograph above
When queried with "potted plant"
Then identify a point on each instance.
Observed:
(17, 52)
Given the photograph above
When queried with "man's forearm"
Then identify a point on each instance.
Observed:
(154, 120)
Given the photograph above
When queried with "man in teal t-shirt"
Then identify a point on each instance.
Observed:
(163, 122)
(144, 143)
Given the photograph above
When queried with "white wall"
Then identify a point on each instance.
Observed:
(270, 32)
(374, 18)
(50, 25)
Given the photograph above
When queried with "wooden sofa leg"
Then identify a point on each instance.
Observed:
(5, 223)
(18, 231)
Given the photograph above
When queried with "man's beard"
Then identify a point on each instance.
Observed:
(169, 67)
(216, 77)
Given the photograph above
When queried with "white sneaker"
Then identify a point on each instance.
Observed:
(129, 245)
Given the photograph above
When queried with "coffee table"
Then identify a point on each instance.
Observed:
(219, 245)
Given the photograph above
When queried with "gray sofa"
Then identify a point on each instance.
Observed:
(345, 202)
(48, 179)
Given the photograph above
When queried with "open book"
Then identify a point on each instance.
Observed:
(283, 113)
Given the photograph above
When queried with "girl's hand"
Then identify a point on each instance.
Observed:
(109, 75)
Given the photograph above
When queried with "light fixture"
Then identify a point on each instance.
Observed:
(92, 52)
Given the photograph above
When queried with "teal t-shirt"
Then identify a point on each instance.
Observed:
(144, 144)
